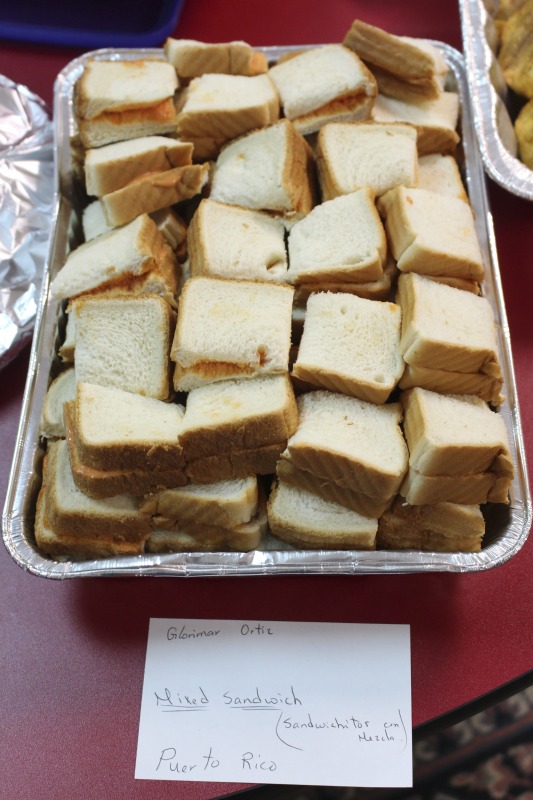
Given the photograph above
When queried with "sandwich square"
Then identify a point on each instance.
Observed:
(446, 328)
(118, 100)
(351, 345)
(341, 239)
(124, 342)
(356, 444)
(217, 108)
(270, 169)
(350, 155)
(233, 242)
(323, 83)
(109, 86)
(231, 329)
(302, 519)
(432, 234)
(454, 435)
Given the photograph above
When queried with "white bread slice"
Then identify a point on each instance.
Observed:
(163, 279)
(443, 527)
(445, 328)
(192, 58)
(224, 503)
(408, 91)
(233, 242)
(408, 58)
(466, 284)
(154, 191)
(305, 520)
(70, 512)
(357, 445)
(61, 390)
(450, 382)
(371, 290)
(271, 169)
(323, 82)
(117, 126)
(93, 221)
(440, 173)
(68, 346)
(430, 233)
(115, 429)
(102, 483)
(237, 415)
(169, 223)
(123, 85)
(113, 166)
(235, 464)
(454, 435)
(339, 240)
(352, 155)
(351, 345)
(200, 537)
(349, 498)
(125, 342)
(172, 227)
(470, 488)
(65, 547)
(435, 120)
(133, 249)
(218, 108)
(229, 329)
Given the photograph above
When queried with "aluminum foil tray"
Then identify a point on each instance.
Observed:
(507, 526)
(490, 99)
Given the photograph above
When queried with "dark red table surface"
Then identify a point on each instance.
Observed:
(72, 653)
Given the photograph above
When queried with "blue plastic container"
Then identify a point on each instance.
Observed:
(99, 23)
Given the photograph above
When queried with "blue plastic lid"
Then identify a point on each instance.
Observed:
(100, 23)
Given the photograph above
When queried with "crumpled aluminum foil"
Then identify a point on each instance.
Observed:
(26, 211)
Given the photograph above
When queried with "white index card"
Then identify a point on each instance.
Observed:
(247, 701)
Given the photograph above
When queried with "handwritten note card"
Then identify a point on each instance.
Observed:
(276, 702)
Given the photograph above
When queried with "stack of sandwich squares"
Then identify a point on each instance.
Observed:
(227, 515)
(234, 428)
(122, 442)
(448, 340)
(347, 451)
(141, 176)
(411, 76)
(458, 450)
(132, 259)
(403, 67)
(187, 400)
(303, 519)
(118, 100)
(121, 447)
(70, 524)
(440, 527)
(231, 329)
